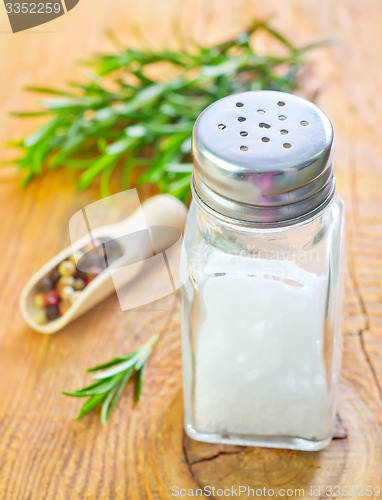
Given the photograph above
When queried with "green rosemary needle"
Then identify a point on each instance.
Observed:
(112, 380)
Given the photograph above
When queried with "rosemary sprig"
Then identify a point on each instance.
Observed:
(144, 124)
(111, 382)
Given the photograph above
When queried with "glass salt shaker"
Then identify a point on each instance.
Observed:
(262, 267)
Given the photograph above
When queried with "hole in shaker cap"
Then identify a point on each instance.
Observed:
(243, 133)
(243, 148)
(265, 139)
(241, 119)
(260, 111)
(304, 123)
(284, 131)
(282, 118)
(281, 103)
(239, 104)
(287, 145)
(221, 126)
(264, 125)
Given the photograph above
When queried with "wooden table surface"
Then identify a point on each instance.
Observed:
(142, 452)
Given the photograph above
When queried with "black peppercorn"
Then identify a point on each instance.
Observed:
(91, 259)
(52, 312)
(55, 275)
(46, 284)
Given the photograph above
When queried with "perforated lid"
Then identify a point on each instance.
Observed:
(263, 157)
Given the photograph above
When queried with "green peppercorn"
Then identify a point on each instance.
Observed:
(41, 318)
(65, 281)
(39, 300)
(79, 284)
(67, 268)
(67, 292)
(74, 296)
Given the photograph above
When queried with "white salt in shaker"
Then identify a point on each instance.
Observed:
(263, 271)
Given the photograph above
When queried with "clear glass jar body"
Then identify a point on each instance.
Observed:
(262, 329)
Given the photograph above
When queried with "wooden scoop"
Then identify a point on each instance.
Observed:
(161, 210)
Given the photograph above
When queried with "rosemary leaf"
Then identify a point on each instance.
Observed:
(108, 390)
(119, 392)
(105, 406)
(90, 404)
(139, 383)
(112, 362)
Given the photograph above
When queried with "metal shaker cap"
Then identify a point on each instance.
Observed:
(264, 158)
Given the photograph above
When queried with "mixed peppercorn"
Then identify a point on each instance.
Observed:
(56, 292)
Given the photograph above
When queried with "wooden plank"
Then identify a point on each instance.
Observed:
(143, 452)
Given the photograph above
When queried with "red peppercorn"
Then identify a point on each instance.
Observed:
(51, 298)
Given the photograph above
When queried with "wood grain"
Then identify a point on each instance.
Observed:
(143, 452)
